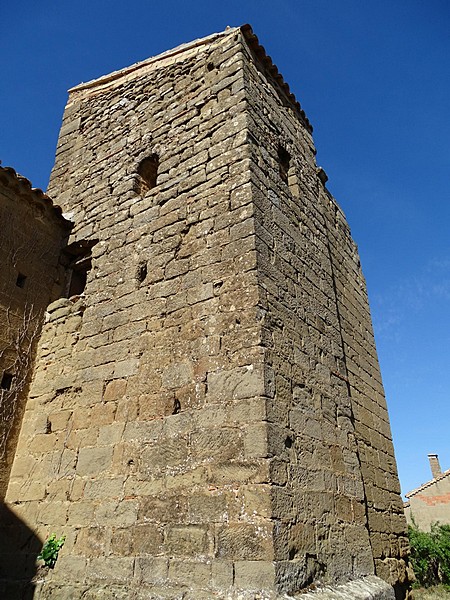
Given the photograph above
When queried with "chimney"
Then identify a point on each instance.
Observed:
(435, 466)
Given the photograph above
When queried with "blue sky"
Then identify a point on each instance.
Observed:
(373, 78)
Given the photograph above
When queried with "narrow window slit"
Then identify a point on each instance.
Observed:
(284, 159)
(20, 281)
(141, 272)
(6, 381)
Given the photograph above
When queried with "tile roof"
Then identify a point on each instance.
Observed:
(428, 483)
(272, 69)
(22, 185)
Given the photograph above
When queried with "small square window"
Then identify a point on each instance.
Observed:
(20, 281)
(7, 380)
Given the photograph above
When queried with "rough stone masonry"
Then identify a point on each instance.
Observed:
(206, 417)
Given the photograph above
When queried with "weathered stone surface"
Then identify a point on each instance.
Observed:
(368, 588)
(33, 233)
(208, 420)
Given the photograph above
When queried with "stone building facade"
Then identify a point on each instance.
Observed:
(206, 417)
(33, 232)
(430, 502)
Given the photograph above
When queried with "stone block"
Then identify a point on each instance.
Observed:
(255, 575)
(238, 472)
(244, 541)
(96, 489)
(152, 570)
(256, 502)
(102, 414)
(190, 573)
(169, 453)
(117, 513)
(93, 461)
(177, 375)
(80, 513)
(193, 477)
(110, 569)
(224, 443)
(93, 542)
(234, 384)
(255, 441)
(189, 541)
(143, 430)
(248, 410)
(222, 574)
(59, 421)
(114, 390)
(207, 508)
(163, 509)
(126, 368)
(110, 434)
(146, 539)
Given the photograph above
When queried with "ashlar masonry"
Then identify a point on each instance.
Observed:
(206, 417)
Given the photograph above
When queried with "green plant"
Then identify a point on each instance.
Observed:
(430, 554)
(50, 550)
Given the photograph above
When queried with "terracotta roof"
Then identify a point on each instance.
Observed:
(428, 483)
(22, 185)
(259, 53)
(272, 69)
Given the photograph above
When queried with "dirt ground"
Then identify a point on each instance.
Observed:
(434, 593)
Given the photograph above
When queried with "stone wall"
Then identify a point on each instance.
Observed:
(337, 488)
(192, 426)
(33, 233)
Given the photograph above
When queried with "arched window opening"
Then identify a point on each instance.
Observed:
(148, 174)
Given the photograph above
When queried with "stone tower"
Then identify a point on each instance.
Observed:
(206, 417)
(33, 233)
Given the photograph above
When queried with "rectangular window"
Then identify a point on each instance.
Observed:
(20, 281)
(284, 160)
(6, 381)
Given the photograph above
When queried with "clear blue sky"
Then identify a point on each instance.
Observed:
(374, 80)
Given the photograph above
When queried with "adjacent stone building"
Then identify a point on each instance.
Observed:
(33, 232)
(206, 417)
(430, 503)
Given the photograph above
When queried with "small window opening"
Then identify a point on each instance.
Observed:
(7, 380)
(20, 281)
(79, 278)
(141, 272)
(292, 553)
(78, 259)
(176, 407)
(284, 159)
(148, 174)
(83, 122)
